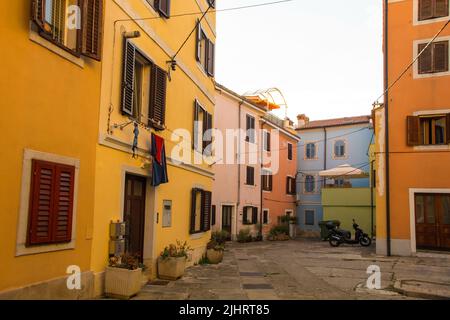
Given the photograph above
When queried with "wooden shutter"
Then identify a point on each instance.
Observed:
(288, 184)
(63, 205)
(193, 206)
(206, 210)
(447, 128)
(425, 9)
(207, 126)
(91, 44)
(250, 176)
(425, 60)
(293, 186)
(163, 7)
(290, 152)
(129, 56)
(413, 131)
(213, 215)
(210, 58)
(158, 87)
(51, 203)
(440, 56)
(37, 13)
(245, 215)
(197, 110)
(198, 47)
(270, 182)
(441, 8)
(254, 215)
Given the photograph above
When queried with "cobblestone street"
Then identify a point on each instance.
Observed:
(307, 269)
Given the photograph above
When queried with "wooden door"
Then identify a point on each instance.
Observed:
(227, 213)
(134, 215)
(432, 221)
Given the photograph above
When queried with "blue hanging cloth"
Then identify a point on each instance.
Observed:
(135, 141)
(159, 165)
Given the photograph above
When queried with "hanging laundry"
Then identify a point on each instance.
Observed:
(159, 165)
(135, 141)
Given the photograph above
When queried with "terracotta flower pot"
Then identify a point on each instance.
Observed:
(214, 256)
(122, 283)
(171, 268)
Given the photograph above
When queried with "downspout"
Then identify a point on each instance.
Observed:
(260, 183)
(325, 154)
(238, 158)
(386, 125)
(371, 196)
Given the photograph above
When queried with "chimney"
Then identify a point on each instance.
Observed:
(303, 120)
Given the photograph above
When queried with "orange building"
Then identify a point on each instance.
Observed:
(413, 130)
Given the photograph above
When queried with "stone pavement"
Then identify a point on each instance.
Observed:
(307, 269)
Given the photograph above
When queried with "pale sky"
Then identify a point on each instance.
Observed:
(325, 56)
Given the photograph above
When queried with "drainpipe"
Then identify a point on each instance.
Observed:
(386, 125)
(371, 196)
(325, 154)
(260, 183)
(238, 168)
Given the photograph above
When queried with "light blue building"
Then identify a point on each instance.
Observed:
(327, 144)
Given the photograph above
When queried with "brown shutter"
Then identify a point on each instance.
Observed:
(129, 55)
(211, 58)
(413, 131)
(288, 184)
(198, 47)
(37, 13)
(270, 182)
(206, 210)
(293, 186)
(163, 7)
(193, 205)
(63, 204)
(207, 125)
(254, 215)
(41, 203)
(196, 114)
(447, 128)
(157, 110)
(425, 60)
(425, 9)
(441, 8)
(245, 215)
(440, 56)
(213, 215)
(92, 29)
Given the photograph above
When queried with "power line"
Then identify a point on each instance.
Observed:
(411, 64)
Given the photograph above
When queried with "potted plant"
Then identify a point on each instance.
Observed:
(244, 236)
(279, 233)
(172, 261)
(123, 276)
(216, 247)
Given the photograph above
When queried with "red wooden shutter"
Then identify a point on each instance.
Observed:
(193, 206)
(163, 7)
(447, 128)
(440, 56)
(210, 58)
(63, 203)
(441, 8)
(129, 56)
(37, 13)
(425, 9)
(425, 60)
(206, 210)
(413, 131)
(157, 110)
(91, 44)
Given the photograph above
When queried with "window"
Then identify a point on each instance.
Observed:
(205, 51)
(167, 214)
(267, 141)
(290, 154)
(250, 215)
(144, 88)
(250, 181)
(432, 9)
(310, 184)
(310, 151)
(265, 216)
(290, 186)
(51, 203)
(339, 148)
(75, 28)
(309, 217)
(161, 6)
(428, 130)
(200, 211)
(267, 180)
(434, 59)
(202, 129)
(213, 215)
(250, 129)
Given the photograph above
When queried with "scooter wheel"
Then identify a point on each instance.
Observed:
(365, 241)
(334, 242)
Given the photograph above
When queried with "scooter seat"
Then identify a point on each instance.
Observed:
(344, 233)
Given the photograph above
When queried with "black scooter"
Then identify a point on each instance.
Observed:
(338, 236)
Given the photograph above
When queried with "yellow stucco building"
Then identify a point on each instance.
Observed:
(77, 94)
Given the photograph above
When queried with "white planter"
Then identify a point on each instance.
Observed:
(292, 230)
(122, 283)
(171, 268)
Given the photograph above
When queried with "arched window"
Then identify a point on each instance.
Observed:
(339, 148)
(310, 184)
(311, 151)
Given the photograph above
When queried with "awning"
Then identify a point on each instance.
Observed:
(344, 171)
